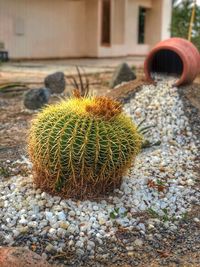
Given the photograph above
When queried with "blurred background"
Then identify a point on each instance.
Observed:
(93, 28)
(181, 20)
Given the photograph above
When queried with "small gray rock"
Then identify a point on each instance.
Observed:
(55, 82)
(138, 242)
(123, 73)
(36, 98)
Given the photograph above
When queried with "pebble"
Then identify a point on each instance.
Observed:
(44, 256)
(61, 216)
(23, 229)
(138, 242)
(49, 248)
(52, 231)
(196, 220)
(102, 221)
(85, 224)
(142, 227)
(72, 229)
(72, 213)
(49, 215)
(16, 233)
(151, 226)
(70, 243)
(80, 252)
(23, 221)
(130, 253)
(130, 248)
(64, 224)
(33, 224)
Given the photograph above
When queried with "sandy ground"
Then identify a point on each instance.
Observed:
(35, 71)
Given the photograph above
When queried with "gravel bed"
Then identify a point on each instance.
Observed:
(158, 190)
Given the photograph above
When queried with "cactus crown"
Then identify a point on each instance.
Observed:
(80, 148)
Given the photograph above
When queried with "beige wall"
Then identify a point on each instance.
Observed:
(50, 29)
(118, 12)
(92, 21)
(159, 19)
(72, 28)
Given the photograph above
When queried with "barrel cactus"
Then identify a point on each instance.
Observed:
(80, 148)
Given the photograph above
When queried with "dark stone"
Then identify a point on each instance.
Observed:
(123, 73)
(36, 98)
(55, 82)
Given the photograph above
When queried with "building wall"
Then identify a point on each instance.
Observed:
(43, 28)
(72, 28)
(127, 12)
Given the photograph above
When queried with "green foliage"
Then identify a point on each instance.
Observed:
(4, 172)
(144, 130)
(153, 213)
(165, 217)
(5, 86)
(79, 84)
(161, 183)
(133, 67)
(185, 216)
(181, 16)
(81, 147)
(117, 214)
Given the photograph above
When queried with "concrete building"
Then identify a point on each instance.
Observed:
(38, 29)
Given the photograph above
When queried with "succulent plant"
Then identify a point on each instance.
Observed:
(80, 148)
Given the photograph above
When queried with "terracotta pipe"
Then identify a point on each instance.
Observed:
(184, 51)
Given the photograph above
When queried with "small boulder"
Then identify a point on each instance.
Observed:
(55, 82)
(123, 73)
(36, 98)
(20, 257)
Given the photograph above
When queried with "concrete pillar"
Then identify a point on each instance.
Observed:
(118, 19)
(158, 19)
(92, 27)
(166, 10)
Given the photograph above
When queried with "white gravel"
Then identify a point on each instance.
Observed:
(25, 209)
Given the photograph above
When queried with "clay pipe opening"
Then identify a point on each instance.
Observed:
(167, 62)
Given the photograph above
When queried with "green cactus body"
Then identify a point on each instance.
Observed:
(81, 148)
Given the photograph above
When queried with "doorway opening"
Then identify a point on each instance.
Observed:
(141, 25)
(106, 23)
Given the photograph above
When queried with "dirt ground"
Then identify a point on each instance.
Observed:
(181, 250)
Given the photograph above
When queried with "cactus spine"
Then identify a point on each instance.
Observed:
(81, 148)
